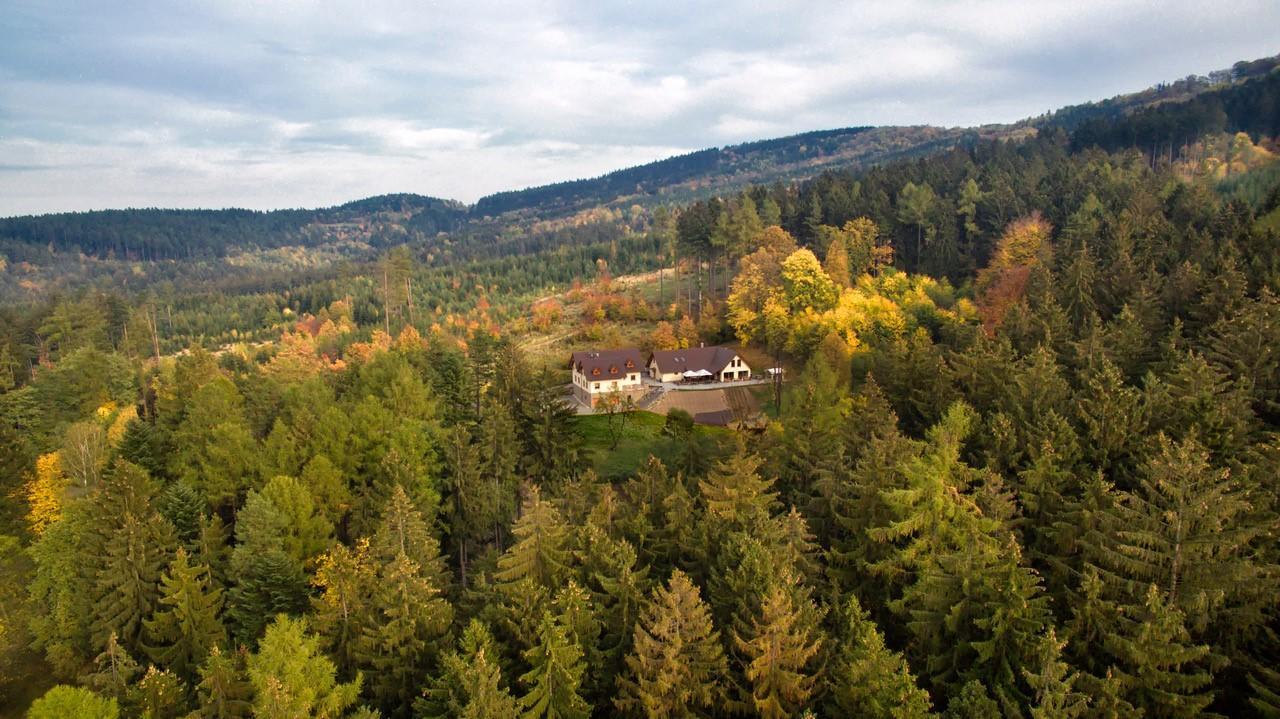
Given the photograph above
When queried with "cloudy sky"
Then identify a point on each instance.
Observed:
(301, 104)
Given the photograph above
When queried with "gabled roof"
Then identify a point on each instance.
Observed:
(711, 359)
(599, 365)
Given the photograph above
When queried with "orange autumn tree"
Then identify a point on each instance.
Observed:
(1024, 246)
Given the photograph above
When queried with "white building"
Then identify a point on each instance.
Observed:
(597, 373)
(698, 364)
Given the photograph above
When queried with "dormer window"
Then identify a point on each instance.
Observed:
(630, 364)
(595, 372)
(613, 370)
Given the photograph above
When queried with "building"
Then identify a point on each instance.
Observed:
(698, 364)
(597, 373)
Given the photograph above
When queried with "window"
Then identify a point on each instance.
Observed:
(595, 372)
(595, 385)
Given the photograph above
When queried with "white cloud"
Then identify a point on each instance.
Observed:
(301, 103)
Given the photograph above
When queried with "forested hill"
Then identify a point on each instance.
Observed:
(158, 234)
(715, 170)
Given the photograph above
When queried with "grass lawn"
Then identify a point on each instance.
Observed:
(641, 437)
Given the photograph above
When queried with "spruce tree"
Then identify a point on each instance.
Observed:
(267, 579)
(113, 670)
(540, 552)
(555, 676)
(972, 702)
(470, 684)
(1053, 682)
(1190, 530)
(128, 584)
(224, 691)
(779, 654)
(865, 677)
(185, 628)
(399, 643)
(676, 667)
(403, 529)
(735, 495)
(1161, 671)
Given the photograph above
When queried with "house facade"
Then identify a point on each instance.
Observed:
(697, 364)
(598, 373)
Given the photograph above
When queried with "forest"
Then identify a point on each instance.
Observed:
(1025, 465)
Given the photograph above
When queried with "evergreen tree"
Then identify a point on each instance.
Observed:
(157, 695)
(1053, 683)
(292, 678)
(128, 584)
(779, 653)
(185, 628)
(1160, 670)
(555, 675)
(267, 579)
(972, 702)
(224, 691)
(1189, 530)
(114, 670)
(676, 667)
(734, 493)
(868, 679)
(540, 551)
(470, 684)
(404, 529)
(399, 643)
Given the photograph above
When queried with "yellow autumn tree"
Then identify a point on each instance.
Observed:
(45, 491)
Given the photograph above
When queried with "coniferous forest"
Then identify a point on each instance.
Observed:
(1025, 464)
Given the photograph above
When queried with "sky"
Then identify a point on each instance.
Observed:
(265, 105)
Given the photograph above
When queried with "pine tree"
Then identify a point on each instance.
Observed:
(866, 678)
(540, 551)
(779, 653)
(224, 691)
(676, 667)
(555, 677)
(470, 684)
(185, 628)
